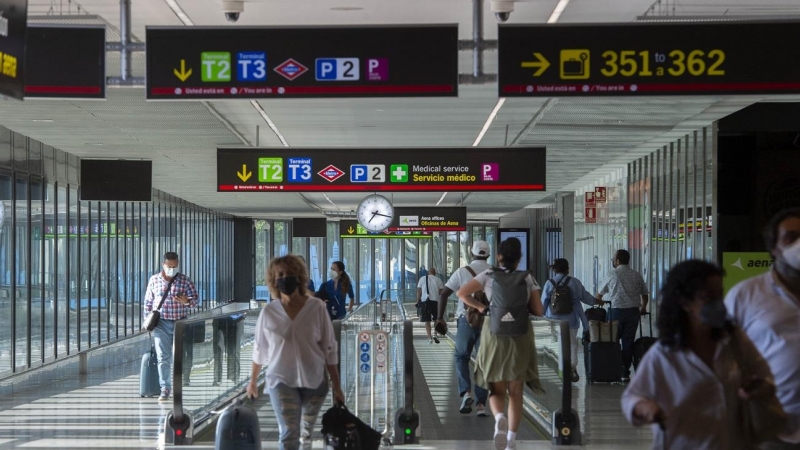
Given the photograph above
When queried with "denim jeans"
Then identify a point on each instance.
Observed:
(628, 324)
(162, 336)
(467, 338)
(296, 410)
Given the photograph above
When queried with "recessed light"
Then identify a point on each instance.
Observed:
(95, 144)
(42, 120)
(346, 8)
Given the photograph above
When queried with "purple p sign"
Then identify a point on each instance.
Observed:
(378, 69)
(491, 172)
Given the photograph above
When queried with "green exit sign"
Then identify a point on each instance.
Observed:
(216, 66)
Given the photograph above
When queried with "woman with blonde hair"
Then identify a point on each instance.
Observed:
(295, 336)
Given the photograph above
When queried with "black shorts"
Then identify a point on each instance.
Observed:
(428, 311)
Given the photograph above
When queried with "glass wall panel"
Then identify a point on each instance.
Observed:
(316, 261)
(76, 227)
(61, 290)
(465, 251)
(350, 258)
(6, 263)
(396, 268)
(263, 256)
(281, 238)
(410, 268)
(365, 281)
(37, 303)
(451, 248)
(381, 255)
(22, 266)
(300, 247)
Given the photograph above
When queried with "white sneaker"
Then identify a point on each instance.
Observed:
(511, 446)
(466, 404)
(501, 434)
(481, 411)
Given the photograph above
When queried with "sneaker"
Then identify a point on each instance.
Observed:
(501, 434)
(430, 341)
(164, 397)
(511, 446)
(575, 376)
(436, 339)
(466, 404)
(481, 410)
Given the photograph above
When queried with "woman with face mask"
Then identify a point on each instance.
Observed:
(690, 386)
(295, 336)
(336, 290)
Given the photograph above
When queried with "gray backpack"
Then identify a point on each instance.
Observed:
(509, 308)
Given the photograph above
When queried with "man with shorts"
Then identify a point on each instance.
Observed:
(428, 290)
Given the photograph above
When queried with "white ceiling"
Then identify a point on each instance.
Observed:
(586, 138)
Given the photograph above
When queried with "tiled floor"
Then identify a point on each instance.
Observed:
(104, 411)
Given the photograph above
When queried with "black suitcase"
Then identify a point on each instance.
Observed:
(603, 362)
(641, 345)
(596, 313)
(149, 385)
(238, 428)
(342, 430)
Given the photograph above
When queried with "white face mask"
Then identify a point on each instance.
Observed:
(792, 254)
(333, 274)
(170, 271)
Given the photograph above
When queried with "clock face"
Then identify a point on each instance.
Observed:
(375, 213)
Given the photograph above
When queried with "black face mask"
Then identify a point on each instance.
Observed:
(287, 285)
(714, 314)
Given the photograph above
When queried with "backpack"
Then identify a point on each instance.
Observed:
(509, 310)
(561, 302)
(474, 317)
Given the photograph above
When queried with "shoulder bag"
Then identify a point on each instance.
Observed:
(474, 316)
(153, 316)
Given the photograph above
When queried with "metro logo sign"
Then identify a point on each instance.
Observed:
(331, 173)
(291, 69)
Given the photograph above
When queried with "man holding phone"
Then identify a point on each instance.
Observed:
(179, 296)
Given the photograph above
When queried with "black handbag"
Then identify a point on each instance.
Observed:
(151, 320)
(342, 430)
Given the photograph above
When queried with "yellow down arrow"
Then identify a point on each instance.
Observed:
(542, 64)
(184, 74)
(350, 230)
(244, 175)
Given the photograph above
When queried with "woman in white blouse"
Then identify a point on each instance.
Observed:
(689, 386)
(295, 337)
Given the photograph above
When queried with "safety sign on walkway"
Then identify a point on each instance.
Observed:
(301, 62)
(372, 351)
(709, 58)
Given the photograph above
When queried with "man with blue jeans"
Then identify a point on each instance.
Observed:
(628, 296)
(467, 338)
(181, 297)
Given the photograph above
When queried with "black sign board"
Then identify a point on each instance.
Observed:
(429, 219)
(647, 59)
(66, 62)
(13, 30)
(352, 229)
(309, 227)
(380, 169)
(253, 63)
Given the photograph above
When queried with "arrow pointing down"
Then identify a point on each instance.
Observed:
(542, 64)
(244, 175)
(184, 74)
(350, 230)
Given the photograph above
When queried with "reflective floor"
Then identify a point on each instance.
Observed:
(103, 410)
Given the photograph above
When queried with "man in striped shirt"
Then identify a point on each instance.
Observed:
(181, 297)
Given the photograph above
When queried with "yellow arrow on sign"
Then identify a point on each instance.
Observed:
(184, 74)
(542, 64)
(244, 175)
(350, 230)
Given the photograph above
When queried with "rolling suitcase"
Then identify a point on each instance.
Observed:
(238, 428)
(149, 385)
(641, 345)
(596, 313)
(603, 362)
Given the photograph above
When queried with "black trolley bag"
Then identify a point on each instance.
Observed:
(603, 360)
(149, 385)
(238, 428)
(641, 345)
(342, 430)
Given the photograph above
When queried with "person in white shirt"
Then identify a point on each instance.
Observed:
(294, 336)
(467, 338)
(768, 309)
(689, 386)
(428, 290)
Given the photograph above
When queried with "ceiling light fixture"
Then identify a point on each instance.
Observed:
(179, 12)
(440, 200)
(560, 7)
(347, 8)
(269, 121)
(42, 120)
(489, 121)
(330, 201)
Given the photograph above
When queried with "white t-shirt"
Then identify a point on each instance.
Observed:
(435, 287)
(462, 277)
(486, 280)
(295, 351)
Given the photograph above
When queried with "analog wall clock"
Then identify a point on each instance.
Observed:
(375, 213)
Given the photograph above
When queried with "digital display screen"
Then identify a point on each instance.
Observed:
(78, 53)
(309, 227)
(419, 169)
(116, 180)
(521, 234)
(647, 59)
(13, 32)
(278, 62)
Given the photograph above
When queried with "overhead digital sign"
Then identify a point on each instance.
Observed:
(416, 169)
(13, 31)
(647, 59)
(254, 63)
(429, 219)
(79, 53)
(352, 229)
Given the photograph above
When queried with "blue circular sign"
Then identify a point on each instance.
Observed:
(365, 368)
(364, 357)
(364, 347)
